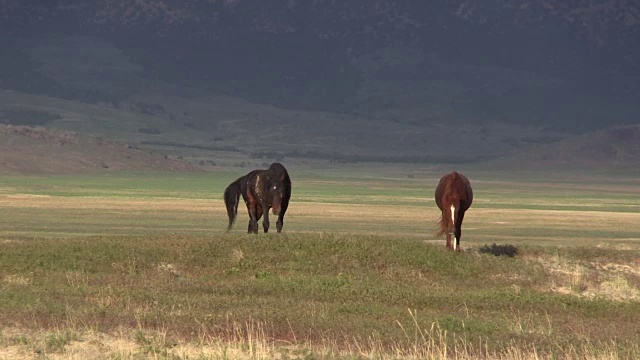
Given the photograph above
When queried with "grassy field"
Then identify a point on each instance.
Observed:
(139, 265)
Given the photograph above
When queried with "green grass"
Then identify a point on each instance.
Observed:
(148, 252)
(127, 185)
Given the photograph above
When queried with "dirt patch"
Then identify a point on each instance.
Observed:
(591, 279)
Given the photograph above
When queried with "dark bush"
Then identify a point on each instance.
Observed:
(499, 250)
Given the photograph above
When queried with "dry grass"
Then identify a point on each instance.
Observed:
(250, 340)
(592, 279)
(16, 280)
(521, 302)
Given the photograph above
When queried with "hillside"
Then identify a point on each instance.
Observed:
(216, 128)
(231, 131)
(612, 148)
(34, 150)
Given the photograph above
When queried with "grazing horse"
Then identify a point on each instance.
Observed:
(453, 197)
(261, 190)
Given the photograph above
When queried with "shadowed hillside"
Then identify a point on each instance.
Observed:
(525, 61)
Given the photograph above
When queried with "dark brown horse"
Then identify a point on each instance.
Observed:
(261, 190)
(453, 197)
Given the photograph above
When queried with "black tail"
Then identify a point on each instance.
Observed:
(231, 199)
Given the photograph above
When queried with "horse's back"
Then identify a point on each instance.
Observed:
(248, 181)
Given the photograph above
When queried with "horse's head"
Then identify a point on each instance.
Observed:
(278, 186)
(276, 193)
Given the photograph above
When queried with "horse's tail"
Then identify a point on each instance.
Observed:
(231, 199)
(442, 225)
(447, 220)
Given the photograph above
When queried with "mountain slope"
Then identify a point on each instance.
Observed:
(613, 148)
(520, 61)
(604, 31)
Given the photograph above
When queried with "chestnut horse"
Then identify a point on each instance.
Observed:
(453, 197)
(261, 190)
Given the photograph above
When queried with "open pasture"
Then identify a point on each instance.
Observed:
(135, 265)
(523, 210)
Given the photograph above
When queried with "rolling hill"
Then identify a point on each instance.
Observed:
(214, 128)
(35, 150)
(28, 147)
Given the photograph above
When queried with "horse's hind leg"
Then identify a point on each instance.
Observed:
(458, 230)
(446, 229)
(258, 216)
(255, 212)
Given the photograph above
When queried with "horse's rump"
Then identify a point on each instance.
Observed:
(453, 196)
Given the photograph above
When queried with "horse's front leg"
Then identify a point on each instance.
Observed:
(253, 219)
(280, 221)
(265, 221)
